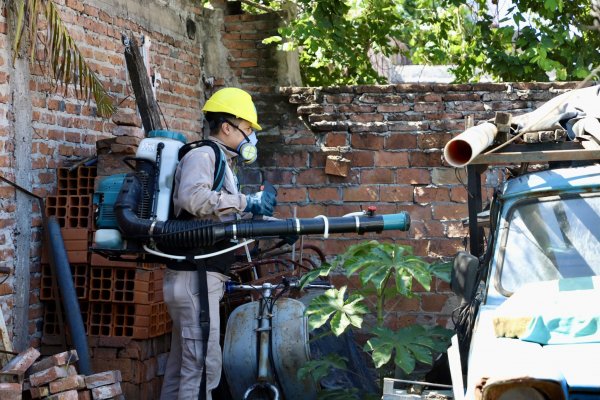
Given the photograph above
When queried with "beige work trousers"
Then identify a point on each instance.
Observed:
(185, 362)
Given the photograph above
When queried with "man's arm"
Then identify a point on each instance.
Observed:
(193, 184)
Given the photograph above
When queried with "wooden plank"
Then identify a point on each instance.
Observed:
(142, 88)
(5, 343)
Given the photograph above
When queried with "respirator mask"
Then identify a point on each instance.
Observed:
(247, 148)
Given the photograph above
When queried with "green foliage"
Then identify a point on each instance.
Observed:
(318, 369)
(377, 266)
(408, 345)
(67, 65)
(534, 39)
(343, 312)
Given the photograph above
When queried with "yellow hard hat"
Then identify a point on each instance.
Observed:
(233, 101)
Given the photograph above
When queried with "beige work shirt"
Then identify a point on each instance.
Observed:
(193, 184)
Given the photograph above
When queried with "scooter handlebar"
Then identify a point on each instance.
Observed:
(231, 287)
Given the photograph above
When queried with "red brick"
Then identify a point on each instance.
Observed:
(313, 176)
(84, 395)
(431, 194)
(379, 175)
(68, 395)
(102, 378)
(400, 141)
(39, 392)
(106, 392)
(11, 391)
(361, 193)
(449, 211)
(64, 358)
(128, 131)
(309, 210)
(127, 118)
(432, 302)
(367, 141)
(67, 383)
(323, 194)
(361, 158)
(21, 362)
(295, 195)
(397, 193)
(391, 159)
(47, 375)
(425, 159)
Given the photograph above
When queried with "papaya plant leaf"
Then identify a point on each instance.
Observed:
(441, 270)
(343, 312)
(408, 345)
(313, 274)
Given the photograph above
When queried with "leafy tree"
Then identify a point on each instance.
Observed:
(532, 41)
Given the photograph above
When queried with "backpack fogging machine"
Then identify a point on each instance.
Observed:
(133, 212)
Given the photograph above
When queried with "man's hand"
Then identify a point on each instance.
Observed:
(261, 203)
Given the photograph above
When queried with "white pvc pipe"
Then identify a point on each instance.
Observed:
(461, 150)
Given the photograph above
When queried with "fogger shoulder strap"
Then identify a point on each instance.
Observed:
(204, 323)
(220, 161)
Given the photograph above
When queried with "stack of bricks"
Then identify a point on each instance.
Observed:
(127, 136)
(55, 378)
(121, 299)
(141, 362)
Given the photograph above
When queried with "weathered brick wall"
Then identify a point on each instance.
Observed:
(63, 130)
(394, 137)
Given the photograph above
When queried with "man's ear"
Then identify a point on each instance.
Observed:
(225, 128)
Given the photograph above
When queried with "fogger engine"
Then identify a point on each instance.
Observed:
(153, 169)
(133, 211)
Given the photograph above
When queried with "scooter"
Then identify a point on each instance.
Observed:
(266, 342)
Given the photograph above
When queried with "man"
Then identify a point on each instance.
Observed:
(205, 187)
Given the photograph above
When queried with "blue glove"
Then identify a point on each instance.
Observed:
(261, 203)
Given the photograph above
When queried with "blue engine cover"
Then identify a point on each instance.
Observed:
(104, 201)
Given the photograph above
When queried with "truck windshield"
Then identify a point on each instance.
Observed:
(551, 238)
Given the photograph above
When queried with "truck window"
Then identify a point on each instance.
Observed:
(550, 238)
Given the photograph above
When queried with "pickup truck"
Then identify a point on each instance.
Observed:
(529, 324)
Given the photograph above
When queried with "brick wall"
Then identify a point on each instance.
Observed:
(63, 130)
(393, 137)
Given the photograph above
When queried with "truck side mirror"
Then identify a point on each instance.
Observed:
(464, 274)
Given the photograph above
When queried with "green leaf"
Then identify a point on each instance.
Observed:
(332, 304)
(318, 369)
(408, 345)
(272, 39)
(313, 274)
(441, 270)
(63, 58)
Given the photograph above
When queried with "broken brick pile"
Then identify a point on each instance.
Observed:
(55, 378)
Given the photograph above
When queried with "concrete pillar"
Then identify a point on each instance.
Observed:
(23, 131)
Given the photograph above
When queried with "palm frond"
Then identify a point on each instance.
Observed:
(62, 57)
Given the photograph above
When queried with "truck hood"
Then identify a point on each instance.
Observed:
(563, 311)
(503, 358)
